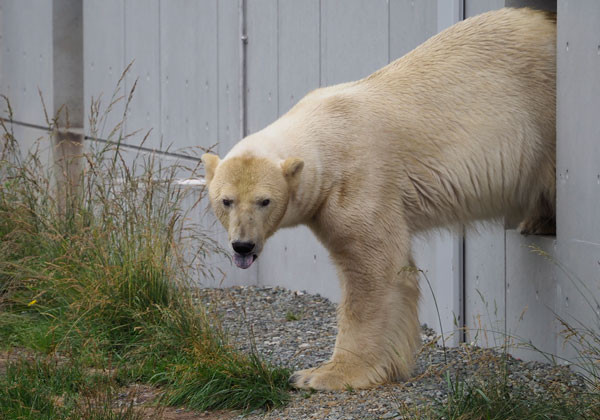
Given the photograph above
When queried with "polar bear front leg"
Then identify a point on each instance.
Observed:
(378, 328)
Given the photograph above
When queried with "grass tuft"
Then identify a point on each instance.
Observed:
(98, 273)
(493, 398)
(51, 388)
(230, 382)
(293, 316)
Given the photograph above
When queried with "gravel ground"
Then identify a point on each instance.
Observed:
(298, 330)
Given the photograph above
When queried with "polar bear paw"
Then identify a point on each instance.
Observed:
(331, 376)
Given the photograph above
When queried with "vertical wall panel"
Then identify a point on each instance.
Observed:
(485, 306)
(578, 290)
(476, 7)
(448, 13)
(530, 296)
(262, 94)
(534, 4)
(438, 256)
(294, 258)
(578, 127)
(411, 24)
(298, 49)
(104, 59)
(142, 28)
(26, 59)
(578, 163)
(229, 72)
(354, 39)
(189, 73)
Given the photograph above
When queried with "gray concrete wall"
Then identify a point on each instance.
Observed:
(26, 64)
(511, 291)
(41, 74)
(578, 166)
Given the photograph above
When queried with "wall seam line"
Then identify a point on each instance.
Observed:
(389, 32)
(218, 81)
(320, 44)
(160, 104)
(124, 65)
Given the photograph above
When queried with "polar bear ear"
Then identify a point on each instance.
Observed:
(210, 165)
(292, 167)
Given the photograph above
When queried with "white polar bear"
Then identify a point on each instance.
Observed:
(460, 129)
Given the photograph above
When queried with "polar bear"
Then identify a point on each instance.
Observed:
(460, 129)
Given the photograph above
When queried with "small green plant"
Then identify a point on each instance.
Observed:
(307, 394)
(292, 316)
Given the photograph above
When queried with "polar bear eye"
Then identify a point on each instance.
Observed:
(227, 202)
(265, 202)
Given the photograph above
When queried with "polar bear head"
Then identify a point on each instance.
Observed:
(250, 195)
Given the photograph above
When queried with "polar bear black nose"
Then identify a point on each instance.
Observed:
(242, 247)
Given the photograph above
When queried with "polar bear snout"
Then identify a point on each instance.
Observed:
(243, 248)
(244, 253)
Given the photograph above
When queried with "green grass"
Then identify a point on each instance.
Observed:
(292, 316)
(98, 274)
(487, 395)
(493, 398)
(50, 388)
(235, 382)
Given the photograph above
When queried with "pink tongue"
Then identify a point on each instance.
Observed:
(243, 261)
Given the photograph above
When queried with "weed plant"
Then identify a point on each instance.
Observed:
(496, 398)
(98, 273)
(491, 396)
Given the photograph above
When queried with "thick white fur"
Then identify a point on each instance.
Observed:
(458, 130)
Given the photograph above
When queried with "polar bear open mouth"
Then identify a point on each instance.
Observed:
(244, 261)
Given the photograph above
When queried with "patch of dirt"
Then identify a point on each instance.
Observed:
(138, 394)
(180, 414)
(144, 398)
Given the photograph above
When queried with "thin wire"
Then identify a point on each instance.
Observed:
(101, 140)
